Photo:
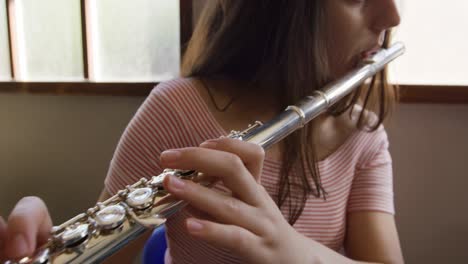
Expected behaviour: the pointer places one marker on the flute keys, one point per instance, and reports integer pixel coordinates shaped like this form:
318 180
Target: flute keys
74 236
157 181
42 257
140 198
110 217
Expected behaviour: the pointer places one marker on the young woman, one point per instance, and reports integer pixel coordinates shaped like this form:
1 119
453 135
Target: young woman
325 189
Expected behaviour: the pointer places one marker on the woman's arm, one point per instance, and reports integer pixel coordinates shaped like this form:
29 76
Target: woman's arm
373 236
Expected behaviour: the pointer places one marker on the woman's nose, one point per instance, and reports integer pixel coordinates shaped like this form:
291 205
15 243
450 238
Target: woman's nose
385 15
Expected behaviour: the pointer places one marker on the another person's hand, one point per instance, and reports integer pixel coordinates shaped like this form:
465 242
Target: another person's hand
28 228
248 223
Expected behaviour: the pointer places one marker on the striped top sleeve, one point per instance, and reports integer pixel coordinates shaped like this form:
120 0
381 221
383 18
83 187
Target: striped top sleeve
372 186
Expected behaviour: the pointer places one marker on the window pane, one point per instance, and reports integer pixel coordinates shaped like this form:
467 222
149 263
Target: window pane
436 38
133 41
48 40
5 70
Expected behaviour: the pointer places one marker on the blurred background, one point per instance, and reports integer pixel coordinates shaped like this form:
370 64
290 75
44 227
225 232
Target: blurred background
73 73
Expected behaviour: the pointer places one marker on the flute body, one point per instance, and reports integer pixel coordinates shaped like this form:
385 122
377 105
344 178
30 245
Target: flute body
93 236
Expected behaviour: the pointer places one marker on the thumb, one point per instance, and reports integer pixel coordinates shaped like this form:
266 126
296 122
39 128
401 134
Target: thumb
28 224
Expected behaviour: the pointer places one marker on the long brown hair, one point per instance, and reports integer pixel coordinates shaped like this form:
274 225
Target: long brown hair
267 41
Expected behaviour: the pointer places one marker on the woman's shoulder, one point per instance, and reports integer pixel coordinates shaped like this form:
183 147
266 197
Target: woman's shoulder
170 100
178 94
172 86
177 105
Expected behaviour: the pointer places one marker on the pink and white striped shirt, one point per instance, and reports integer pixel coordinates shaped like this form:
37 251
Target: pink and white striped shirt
357 176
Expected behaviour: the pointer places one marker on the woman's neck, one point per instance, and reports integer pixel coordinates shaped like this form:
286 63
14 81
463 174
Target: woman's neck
242 98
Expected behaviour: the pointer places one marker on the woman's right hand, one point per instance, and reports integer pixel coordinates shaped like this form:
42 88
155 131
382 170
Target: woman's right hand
28 228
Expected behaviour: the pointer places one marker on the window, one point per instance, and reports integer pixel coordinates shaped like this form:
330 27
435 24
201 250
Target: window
436 37
435 66
133 40
89 43
46 40
5 69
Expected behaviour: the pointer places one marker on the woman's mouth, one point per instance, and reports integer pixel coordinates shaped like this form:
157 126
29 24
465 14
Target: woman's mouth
368 53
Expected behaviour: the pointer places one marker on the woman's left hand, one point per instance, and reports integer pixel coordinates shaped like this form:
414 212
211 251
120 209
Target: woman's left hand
248 223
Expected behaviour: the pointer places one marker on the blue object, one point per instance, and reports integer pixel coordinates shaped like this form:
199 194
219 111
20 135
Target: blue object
155 247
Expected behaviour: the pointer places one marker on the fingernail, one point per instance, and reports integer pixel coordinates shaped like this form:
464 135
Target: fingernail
209 144
170 155
19 246
194 225
176 183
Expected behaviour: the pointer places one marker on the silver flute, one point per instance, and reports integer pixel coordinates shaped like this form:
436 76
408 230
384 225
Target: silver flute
104 229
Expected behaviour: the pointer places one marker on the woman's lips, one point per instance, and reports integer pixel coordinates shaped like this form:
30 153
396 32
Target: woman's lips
370 52
360 57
